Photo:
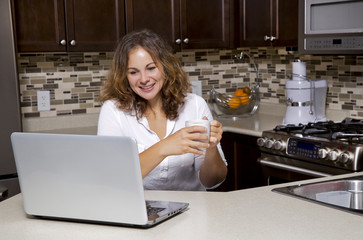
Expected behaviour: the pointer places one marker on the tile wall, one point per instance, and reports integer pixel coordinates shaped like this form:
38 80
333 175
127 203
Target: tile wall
74 79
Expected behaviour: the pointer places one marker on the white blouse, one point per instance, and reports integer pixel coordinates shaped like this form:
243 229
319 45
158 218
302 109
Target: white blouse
180 172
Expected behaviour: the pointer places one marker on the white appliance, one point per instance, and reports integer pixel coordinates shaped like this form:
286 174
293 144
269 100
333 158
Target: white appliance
331 27
305 98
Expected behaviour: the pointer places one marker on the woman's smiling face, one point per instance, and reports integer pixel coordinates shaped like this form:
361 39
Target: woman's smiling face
144 75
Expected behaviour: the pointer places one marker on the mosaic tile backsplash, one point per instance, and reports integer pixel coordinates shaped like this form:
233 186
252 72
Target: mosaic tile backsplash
74 79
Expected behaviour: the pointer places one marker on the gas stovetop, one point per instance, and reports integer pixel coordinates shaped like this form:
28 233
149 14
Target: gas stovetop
337 144
350 130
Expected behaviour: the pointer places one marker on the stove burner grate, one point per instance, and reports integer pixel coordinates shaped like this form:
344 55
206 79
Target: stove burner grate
350 130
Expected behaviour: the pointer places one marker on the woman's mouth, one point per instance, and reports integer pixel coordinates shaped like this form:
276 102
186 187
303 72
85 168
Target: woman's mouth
148 87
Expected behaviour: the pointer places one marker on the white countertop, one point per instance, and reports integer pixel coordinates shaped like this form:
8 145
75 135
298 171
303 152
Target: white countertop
268 116
253 125
250 214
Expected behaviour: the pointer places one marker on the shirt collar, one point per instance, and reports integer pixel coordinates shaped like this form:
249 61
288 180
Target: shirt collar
170 125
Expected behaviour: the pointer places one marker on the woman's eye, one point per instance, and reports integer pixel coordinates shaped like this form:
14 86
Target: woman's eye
151 68
132 72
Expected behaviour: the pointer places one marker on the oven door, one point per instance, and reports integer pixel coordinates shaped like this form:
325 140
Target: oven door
277 169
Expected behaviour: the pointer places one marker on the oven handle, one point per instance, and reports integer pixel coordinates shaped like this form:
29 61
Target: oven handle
293 168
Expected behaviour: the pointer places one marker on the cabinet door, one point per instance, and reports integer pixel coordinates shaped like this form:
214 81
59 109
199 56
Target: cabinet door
160 16
249 173
39 25
94 25
286 27
265 19
228 146
255 18
206 24
241 152
184 23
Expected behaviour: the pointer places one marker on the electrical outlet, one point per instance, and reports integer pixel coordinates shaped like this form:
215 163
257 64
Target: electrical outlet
43 98
197 87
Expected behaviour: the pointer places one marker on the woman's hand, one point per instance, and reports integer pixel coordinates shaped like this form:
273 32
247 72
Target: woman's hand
186 140
216 132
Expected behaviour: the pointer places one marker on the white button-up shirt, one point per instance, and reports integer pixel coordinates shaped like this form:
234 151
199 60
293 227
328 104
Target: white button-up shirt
180 172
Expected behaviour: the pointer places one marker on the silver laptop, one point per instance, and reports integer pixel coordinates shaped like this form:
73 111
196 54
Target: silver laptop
85 178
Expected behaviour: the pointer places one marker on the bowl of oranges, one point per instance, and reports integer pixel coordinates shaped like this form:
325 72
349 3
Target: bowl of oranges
240 102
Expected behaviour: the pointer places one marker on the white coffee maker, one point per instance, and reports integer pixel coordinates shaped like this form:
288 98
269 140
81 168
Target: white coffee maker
306 98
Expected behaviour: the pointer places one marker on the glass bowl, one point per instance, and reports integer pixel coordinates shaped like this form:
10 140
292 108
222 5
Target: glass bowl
228 105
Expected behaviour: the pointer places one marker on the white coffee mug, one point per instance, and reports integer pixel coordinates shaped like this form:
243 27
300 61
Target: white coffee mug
200 122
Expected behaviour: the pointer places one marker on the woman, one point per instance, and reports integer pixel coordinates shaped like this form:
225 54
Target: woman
145 97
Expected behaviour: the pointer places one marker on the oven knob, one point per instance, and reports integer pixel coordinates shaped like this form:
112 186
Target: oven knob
261 142
333 155
279 145
269 143
345 157
323 153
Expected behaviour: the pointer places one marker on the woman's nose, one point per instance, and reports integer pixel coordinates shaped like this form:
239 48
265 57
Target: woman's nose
144 77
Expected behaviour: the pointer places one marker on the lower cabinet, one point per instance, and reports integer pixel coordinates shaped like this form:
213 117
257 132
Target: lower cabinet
241 152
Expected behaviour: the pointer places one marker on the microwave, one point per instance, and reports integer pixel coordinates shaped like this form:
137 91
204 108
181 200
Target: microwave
330 27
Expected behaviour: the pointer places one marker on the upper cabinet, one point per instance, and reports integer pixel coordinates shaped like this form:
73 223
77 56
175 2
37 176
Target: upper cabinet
68 25
186 24
95 25
268 23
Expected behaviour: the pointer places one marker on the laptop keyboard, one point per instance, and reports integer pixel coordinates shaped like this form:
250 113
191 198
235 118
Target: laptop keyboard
153 210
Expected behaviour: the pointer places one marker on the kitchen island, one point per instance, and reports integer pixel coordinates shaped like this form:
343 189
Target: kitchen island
255 213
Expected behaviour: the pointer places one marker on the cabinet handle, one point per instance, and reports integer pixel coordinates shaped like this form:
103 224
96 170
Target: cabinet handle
73 42
63 42
186 41
266 38
178 41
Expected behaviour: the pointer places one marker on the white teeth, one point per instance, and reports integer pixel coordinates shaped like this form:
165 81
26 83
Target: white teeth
147 87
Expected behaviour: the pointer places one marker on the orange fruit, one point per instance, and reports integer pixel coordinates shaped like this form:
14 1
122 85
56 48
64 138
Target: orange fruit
239 92
244 100
240 97
243 94
247 90
234 102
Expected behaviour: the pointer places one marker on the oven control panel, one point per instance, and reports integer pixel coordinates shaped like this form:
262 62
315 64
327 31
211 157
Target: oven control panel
304 149
338 154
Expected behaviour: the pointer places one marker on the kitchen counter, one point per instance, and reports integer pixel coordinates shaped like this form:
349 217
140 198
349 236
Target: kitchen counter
268 116
253 126
250 214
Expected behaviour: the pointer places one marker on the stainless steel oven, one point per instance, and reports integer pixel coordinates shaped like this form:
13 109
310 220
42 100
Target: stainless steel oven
292 153
277 169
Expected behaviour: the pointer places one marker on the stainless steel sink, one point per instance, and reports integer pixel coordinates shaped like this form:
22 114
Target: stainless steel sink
344 194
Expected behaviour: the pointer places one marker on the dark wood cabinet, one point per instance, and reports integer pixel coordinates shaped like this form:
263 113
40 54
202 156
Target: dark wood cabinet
268 22
68 25
241 152
186 24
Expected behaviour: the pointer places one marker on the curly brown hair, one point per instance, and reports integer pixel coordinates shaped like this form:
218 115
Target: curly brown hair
117 87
